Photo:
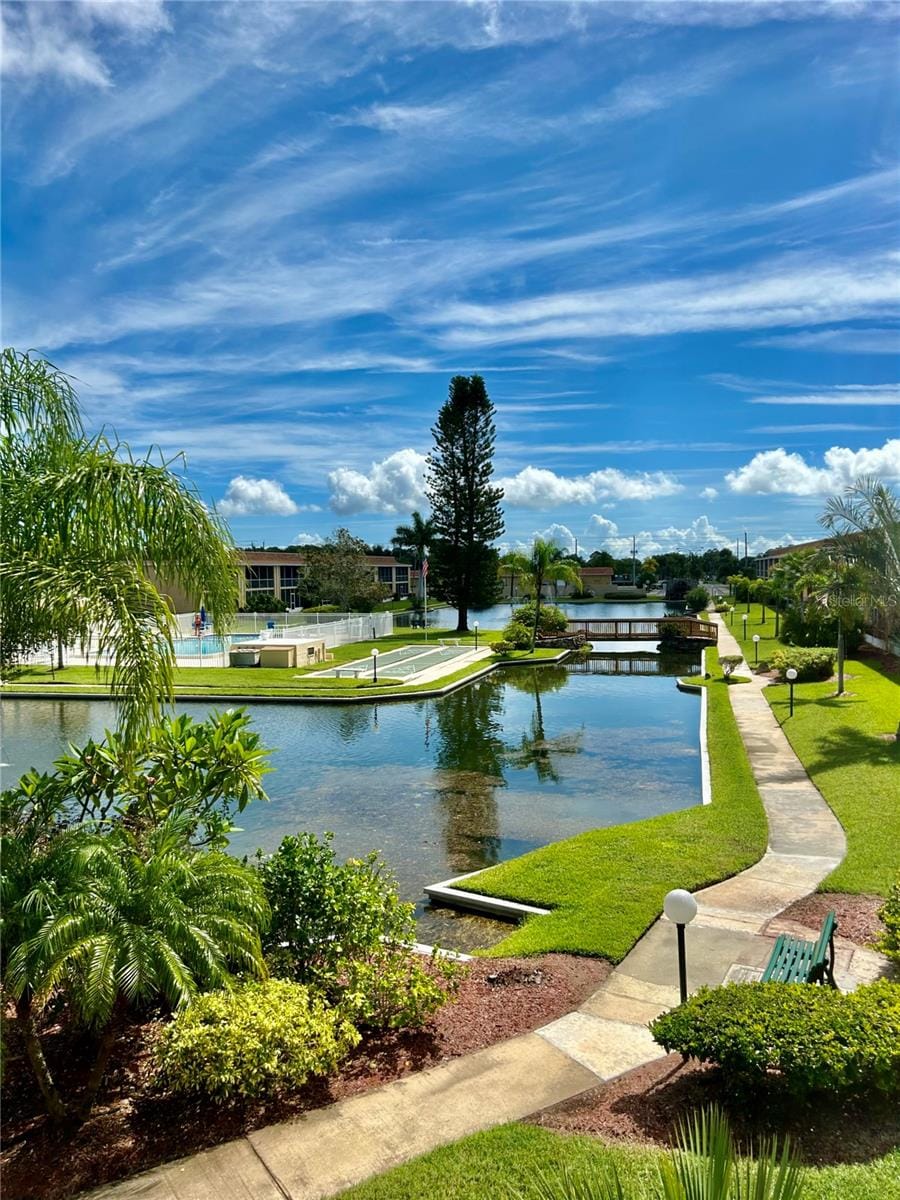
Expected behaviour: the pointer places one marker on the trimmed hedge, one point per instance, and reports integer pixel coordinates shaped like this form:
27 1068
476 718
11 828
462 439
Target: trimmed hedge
815 1038
812 663
889 942
252 1041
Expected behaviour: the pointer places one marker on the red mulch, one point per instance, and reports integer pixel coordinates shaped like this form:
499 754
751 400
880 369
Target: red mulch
857 916
646 1105
134 1126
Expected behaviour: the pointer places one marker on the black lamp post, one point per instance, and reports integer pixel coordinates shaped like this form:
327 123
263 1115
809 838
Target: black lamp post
681 908
791 674
756 649
374 665
475 625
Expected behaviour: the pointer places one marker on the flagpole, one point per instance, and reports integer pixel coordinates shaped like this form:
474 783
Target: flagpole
425 589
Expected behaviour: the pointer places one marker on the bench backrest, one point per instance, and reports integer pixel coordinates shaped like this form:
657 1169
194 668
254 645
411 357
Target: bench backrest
821 951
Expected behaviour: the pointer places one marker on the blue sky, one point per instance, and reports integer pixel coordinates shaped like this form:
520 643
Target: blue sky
665 233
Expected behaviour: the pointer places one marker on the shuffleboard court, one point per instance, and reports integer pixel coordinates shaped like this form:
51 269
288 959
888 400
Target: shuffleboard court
402 663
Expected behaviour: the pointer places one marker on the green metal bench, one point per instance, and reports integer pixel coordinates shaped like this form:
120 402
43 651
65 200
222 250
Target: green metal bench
795 960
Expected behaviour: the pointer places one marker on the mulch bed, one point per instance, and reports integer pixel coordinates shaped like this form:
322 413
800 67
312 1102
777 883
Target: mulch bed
646 1105
134 1126
857 916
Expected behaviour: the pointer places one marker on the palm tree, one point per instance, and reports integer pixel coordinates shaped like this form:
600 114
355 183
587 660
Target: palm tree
88 532
514 564
110 920
414 538
865 522
544 566
839 585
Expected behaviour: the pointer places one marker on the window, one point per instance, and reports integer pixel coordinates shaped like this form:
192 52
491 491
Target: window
402 573
260 579
402 589
289 577
385 575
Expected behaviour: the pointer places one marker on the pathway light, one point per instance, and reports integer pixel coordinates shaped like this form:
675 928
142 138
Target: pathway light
681 908
731 616
756 649
374 664
791 674
475 623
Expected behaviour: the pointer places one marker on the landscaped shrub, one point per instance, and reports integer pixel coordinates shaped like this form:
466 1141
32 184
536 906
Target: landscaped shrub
517 635
343 928
394 989
816 1038
502 647
551 620
326 913
729 663
582 594
253 1041
697 599
814 625
811 663
889 942
263 602
320 608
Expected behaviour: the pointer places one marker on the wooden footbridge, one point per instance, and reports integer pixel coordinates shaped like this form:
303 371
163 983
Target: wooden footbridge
643 629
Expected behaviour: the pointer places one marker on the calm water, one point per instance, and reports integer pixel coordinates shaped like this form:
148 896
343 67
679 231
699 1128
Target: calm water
525 757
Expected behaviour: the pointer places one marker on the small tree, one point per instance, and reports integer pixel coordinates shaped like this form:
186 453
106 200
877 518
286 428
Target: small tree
729 664
465 506
541 567
342 574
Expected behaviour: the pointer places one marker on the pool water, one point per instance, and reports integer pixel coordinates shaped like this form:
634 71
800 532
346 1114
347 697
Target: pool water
209 643
524 757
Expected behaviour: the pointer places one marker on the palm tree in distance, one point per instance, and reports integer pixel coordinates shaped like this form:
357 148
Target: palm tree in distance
542 566
414 538
89 532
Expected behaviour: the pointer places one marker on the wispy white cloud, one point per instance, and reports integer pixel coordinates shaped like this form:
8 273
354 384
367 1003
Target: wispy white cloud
837 341
780 472
709 493
536 487
842 395
247 497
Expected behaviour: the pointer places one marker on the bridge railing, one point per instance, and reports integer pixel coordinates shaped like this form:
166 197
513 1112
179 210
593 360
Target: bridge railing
633 629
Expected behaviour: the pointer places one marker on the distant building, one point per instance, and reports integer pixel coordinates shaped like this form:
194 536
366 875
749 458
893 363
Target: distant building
771 558
278 573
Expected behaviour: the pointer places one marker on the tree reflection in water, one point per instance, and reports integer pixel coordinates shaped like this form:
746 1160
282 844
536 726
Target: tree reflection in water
472 755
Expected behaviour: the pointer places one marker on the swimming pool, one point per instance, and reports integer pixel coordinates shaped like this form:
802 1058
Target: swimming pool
209 643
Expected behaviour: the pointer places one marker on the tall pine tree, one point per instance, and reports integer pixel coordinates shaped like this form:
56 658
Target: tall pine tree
465 507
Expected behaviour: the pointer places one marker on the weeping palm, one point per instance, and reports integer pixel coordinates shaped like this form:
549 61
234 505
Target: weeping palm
542 566
86 531
127 917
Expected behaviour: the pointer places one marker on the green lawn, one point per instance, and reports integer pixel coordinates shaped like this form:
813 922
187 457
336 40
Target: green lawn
506 1163
276 681
840 743
606 887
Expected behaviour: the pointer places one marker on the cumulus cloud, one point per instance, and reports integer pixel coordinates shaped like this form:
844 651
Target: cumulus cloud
778 471
246 497
394 485
709 493
536 487
308 539
601 527
696 537
557 535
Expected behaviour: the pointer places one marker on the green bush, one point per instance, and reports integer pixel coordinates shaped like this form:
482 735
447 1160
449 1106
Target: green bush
263 602
551 620
889 942
256 1040
342 928
816 1038
517 635
815 625
394 989
326 913
811 663
729 663
697 599
582 594
502 647
327 608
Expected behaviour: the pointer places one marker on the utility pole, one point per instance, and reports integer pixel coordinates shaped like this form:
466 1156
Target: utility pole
576 547
633 562
746 555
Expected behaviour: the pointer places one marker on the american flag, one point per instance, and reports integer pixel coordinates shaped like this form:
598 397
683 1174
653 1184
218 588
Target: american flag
425 569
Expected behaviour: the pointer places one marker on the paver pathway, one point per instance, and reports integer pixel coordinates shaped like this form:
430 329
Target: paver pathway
330 1149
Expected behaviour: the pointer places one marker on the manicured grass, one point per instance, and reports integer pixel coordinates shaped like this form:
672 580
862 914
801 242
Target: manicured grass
277 681
840 741
606 887
508 1162
755 624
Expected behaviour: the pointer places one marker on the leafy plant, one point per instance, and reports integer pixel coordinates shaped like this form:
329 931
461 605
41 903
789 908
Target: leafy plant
704 1165
811 662
517 635
551 619
545 564
263 602
252 1041
889 941
816 1039
729 663
697 599
394 988
502 647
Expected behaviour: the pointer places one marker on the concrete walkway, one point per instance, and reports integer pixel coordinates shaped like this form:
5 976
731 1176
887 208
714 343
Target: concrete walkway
731 938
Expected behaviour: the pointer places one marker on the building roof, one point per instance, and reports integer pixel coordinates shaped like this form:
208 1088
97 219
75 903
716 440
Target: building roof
595 571
287 558
780 551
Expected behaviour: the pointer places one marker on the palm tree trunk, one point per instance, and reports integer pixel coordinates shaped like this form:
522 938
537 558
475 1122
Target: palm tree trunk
539 585
98 1070
59 654
55 1107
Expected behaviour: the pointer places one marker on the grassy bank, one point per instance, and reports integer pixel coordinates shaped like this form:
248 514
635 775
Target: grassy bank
288 682
509 1161
842 742
606 887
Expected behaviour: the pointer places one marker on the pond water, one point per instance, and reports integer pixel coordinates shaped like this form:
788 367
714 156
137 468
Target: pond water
522 758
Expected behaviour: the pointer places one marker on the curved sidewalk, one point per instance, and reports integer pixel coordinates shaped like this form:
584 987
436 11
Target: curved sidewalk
333 1148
